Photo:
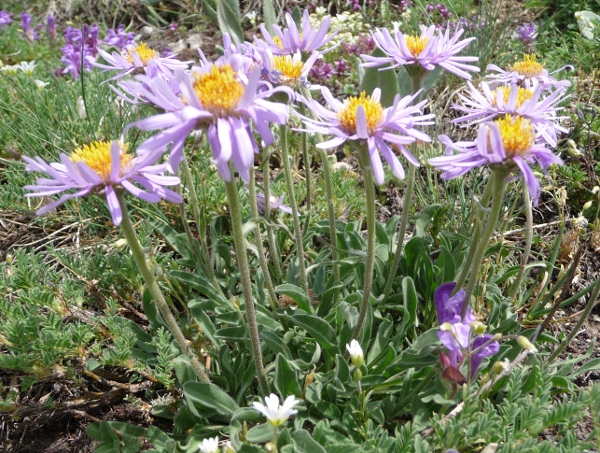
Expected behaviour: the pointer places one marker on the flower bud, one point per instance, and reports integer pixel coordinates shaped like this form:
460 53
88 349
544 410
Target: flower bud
9 258
526 344
478 328
228 447
446 327
572 149
587 206
270 447
595 190
81 108
356 353
357 376
119 244
500 366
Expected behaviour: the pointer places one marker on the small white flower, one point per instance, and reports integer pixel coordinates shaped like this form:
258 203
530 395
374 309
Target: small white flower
356 353
40 84
81 108
277 415
210 445
27 67
10 69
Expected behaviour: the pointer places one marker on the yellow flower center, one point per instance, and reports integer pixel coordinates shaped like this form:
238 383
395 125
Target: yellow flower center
143 51
416 44
528 67
523 95
219 90
97 156
290 70
517 134
373 111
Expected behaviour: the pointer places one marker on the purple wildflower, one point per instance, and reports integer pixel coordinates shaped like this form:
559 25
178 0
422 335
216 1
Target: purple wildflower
51 27
104 168
455 334
486 104
509 141
220 100
291 40
5 19
321 71
139 58
119 38
274 203
363 119
28 31
527 33
426 51
528 73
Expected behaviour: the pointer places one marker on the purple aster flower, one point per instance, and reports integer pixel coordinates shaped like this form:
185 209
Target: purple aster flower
51 27
139 58
528 73
287 70
219 99
291 40
432 48
487 104
363 119
104 168
119 38
507 141
5 19
455 334
274 203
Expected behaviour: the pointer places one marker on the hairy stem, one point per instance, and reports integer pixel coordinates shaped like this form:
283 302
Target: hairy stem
270 233
157 295
365 163
514 290
298 233
243 265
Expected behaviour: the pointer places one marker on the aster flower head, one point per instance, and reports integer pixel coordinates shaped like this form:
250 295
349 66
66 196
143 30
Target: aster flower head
287 69
104 168
487 104
291 40
139 58
423 52
509 142
274 203
210 445
277 415
529 73
362 119
220 100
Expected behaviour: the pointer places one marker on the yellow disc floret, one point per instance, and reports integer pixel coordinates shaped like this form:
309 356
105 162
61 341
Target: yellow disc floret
517 134
219 90
97 156
373 111
143 51
523 94
290 69
528 67
416 44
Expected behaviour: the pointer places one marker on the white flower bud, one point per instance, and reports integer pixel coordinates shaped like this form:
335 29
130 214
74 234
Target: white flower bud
356 353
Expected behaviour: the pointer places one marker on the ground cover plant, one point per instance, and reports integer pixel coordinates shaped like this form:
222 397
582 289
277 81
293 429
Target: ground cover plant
334 226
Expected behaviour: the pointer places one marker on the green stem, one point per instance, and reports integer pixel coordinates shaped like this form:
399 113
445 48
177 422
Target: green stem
497 180
306 159
298 234
326 165
259 243
157 295
365 163
514 290
270 233
475 237
242 260
189 182
408 196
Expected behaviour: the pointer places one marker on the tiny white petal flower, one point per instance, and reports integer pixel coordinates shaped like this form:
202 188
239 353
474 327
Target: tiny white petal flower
277 415
27 67
356 353
210 445
40 84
